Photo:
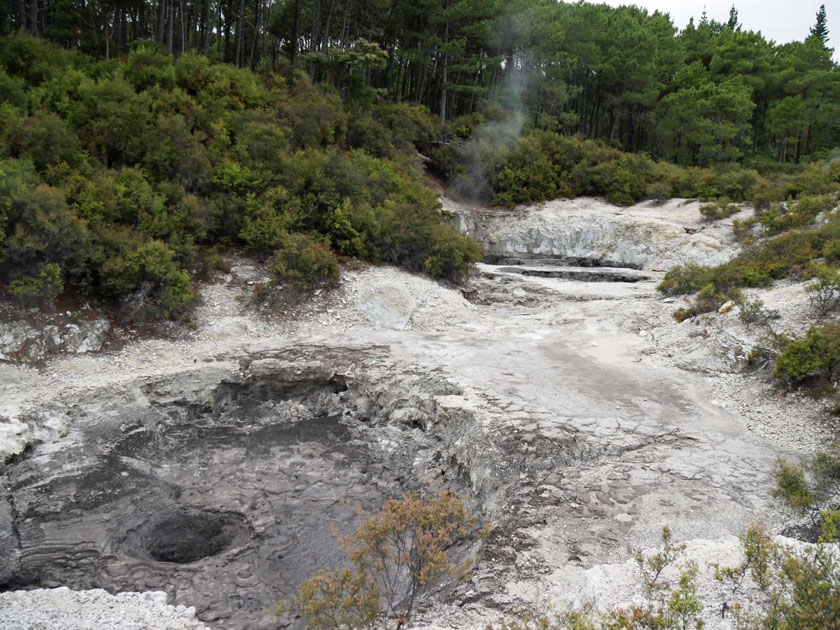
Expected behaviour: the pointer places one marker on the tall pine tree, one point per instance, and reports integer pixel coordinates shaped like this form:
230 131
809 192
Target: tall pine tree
820 29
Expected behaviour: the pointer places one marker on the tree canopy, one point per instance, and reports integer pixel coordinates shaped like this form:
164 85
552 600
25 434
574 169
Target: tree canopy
623 74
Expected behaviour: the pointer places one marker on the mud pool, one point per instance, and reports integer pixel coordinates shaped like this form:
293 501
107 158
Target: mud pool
226 499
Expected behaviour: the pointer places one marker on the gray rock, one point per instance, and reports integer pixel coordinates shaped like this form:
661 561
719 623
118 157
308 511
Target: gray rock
23 342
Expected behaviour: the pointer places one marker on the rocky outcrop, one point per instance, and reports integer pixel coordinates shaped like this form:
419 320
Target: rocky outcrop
649 235
23 340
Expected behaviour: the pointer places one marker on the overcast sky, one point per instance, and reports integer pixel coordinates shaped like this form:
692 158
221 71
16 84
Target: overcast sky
780 20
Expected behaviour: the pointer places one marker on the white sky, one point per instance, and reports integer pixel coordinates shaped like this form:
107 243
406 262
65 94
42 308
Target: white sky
780 20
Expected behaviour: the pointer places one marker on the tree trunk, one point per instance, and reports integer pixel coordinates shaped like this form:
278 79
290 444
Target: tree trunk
161 17
326 40
421 76
256 31
107 39
119 29
226 21
295 32
170 26
240 35
33 17
445 76
205 27
266 16
141 18
182 31
343 41
193 26
217 20
808 140
313 41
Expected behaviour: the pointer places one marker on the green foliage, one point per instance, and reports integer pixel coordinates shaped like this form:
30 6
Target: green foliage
451 254
719 210
303 261
754 312
44 231
798 586
813 488
792 488
120 174
817 354
684 279
791 253
396 556
147 277
149 66
268 219
824 292
45 285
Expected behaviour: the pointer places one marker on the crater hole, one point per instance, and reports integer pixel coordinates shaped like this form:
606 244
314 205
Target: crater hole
185 537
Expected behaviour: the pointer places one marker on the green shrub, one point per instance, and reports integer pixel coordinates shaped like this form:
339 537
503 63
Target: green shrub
817 354
719 210
754 312
146 278
45 230
303 261
113 121
45 285
791 486
12 91
659 190
268 219
176 153
34 59
155 155
451 254
149 65
366 133
48 141
192 71
824 292
684 279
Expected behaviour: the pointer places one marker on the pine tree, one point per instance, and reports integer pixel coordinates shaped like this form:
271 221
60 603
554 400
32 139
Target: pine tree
820 29
732 24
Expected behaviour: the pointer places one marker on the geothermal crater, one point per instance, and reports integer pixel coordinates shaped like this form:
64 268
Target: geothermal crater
224 490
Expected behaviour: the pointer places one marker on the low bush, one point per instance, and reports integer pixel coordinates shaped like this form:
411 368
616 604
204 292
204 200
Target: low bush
667 604
684 279
719 210
816 355
824 291
396 556
754 312
146 279
43 286
303 261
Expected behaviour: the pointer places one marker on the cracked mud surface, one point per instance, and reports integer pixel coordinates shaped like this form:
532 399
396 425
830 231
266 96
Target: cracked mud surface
579 416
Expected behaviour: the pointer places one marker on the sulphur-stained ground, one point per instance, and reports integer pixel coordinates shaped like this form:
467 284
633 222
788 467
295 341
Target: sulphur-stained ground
622 420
